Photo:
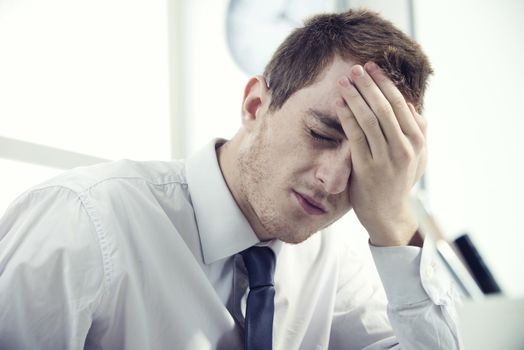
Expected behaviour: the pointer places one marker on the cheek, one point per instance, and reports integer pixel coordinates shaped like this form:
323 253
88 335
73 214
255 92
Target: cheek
287 152
290 152
294 165
345 204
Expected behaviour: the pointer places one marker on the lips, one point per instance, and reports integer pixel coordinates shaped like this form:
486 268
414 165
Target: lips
309 205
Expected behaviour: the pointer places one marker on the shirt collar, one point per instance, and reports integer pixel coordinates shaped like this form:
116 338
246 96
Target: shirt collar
223 228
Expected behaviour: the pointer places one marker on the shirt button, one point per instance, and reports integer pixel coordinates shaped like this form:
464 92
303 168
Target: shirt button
429 270
451 290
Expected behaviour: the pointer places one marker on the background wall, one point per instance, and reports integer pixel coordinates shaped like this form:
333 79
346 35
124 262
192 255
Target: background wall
85 78
474 109
154 79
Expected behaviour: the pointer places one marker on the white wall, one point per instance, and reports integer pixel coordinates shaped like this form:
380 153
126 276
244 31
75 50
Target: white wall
83 76
476 125
214 84
88 76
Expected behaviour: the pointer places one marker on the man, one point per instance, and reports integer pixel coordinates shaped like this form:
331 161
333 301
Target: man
170 255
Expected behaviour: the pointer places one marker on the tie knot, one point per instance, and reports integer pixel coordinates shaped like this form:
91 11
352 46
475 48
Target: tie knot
260 265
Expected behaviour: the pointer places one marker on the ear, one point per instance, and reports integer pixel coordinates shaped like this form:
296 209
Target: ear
256 97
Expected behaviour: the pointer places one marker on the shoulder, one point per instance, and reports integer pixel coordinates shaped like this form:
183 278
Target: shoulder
82 179
106 180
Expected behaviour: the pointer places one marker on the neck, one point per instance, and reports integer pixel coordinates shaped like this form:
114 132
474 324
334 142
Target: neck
228 158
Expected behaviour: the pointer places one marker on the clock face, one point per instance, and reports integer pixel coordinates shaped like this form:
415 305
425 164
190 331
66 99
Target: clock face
255 28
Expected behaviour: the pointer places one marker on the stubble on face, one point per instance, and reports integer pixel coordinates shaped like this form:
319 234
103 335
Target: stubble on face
267 196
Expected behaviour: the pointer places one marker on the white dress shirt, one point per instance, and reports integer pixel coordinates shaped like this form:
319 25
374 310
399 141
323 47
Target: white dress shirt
143 255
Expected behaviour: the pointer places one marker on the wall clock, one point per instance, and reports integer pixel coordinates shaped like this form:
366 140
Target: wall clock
255 28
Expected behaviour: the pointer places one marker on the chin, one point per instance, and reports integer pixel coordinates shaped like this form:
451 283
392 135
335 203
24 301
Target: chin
296 238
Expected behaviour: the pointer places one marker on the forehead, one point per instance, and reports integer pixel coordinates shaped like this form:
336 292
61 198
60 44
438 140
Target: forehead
336 69
323 92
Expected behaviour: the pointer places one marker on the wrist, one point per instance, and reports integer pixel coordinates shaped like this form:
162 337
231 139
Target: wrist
393 233
393 242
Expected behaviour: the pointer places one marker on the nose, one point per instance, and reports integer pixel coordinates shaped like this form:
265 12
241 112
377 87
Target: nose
333 172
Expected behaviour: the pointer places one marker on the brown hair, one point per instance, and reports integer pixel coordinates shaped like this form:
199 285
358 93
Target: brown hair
360 35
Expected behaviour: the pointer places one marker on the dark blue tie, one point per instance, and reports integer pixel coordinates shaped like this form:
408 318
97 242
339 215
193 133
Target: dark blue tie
260 264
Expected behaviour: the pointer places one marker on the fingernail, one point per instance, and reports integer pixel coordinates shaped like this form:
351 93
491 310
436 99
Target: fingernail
344 81
371 67
357 70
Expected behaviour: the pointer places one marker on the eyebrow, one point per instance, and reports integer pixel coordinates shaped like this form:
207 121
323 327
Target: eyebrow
328 120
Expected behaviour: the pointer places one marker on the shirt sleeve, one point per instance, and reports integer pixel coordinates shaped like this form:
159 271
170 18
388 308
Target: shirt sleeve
51 271
405 301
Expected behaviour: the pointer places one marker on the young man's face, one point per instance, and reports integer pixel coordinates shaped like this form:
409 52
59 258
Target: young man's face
295 163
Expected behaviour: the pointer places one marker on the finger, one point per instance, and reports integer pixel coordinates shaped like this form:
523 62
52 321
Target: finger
365 118
396 100
378 104
418 141
421 121
356 137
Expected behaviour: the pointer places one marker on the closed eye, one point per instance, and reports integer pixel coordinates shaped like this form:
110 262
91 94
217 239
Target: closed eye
321 138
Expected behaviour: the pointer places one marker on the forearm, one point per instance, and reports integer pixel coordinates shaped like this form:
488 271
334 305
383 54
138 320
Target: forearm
421 301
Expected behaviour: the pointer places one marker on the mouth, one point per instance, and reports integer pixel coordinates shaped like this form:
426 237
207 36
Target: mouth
309 205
